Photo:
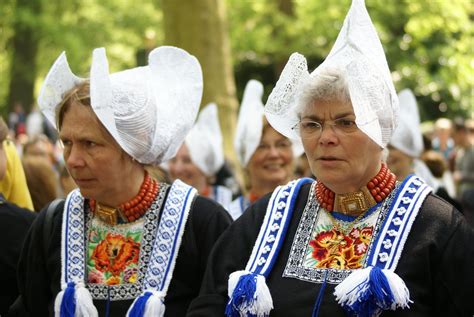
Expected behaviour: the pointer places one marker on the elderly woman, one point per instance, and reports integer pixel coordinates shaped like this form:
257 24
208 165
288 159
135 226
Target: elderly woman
356 242
201 156
265 155
122 243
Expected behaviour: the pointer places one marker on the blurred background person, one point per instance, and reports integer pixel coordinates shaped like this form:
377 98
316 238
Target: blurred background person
14 224
406 146
442 141
13 186
266 156
42 181
464 156
201 156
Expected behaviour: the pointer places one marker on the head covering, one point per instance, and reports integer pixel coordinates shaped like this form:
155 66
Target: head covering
204 141
407 136
13 185
359 56
250 122
148 110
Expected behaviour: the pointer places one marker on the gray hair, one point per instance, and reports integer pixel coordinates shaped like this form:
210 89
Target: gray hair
328 84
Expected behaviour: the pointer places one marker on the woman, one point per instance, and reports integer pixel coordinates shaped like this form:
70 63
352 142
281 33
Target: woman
376 244
265 155
201 156
122 243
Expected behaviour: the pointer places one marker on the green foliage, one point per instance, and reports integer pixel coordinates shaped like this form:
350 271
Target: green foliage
77 27
429 43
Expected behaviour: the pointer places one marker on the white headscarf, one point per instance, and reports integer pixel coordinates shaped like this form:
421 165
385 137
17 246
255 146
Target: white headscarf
407 136
408 139
147 110
204 141
359 55
250 122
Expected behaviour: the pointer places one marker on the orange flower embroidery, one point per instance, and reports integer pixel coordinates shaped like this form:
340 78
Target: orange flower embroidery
115 253
335 250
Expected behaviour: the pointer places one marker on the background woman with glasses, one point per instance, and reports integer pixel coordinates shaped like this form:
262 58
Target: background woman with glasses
265 154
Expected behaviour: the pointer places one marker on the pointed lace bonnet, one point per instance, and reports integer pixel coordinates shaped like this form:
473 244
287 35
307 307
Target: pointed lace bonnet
407 136
204 141
250 122
147 110
359 55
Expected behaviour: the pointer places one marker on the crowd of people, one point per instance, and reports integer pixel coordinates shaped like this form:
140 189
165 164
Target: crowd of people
117 199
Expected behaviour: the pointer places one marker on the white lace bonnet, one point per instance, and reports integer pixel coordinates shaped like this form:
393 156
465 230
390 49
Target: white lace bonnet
204 141
250 122
407 136
358 53
148 110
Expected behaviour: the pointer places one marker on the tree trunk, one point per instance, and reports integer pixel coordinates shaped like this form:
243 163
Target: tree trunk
24 50
200 27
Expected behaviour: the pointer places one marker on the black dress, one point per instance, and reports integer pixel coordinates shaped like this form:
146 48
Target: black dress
14 225
436 265
40 270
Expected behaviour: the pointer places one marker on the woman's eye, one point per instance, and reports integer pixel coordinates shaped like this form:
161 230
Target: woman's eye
345 123
310 125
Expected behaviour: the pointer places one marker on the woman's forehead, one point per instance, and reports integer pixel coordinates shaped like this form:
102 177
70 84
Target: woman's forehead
328 108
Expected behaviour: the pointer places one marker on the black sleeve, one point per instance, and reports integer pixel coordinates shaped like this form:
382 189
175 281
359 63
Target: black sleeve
207 221
454 278
230 254
14 225
39 269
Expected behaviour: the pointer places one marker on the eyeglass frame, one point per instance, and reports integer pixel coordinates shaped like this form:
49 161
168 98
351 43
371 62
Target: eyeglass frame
336 126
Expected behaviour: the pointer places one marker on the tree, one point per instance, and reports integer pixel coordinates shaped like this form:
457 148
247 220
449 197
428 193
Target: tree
199 26
24 50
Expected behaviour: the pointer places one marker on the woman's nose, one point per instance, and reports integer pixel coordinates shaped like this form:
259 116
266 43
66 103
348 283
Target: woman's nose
75 157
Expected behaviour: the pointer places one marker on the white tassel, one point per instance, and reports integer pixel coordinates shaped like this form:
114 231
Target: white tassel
400 291
345 293
260 304
154 305
263 298
84 305
57 302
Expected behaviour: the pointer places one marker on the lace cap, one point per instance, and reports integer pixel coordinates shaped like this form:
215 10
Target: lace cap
359 54
148 110
250 122
204 141
407 136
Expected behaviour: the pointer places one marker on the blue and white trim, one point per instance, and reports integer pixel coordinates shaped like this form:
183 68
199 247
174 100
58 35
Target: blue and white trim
248 292
397 225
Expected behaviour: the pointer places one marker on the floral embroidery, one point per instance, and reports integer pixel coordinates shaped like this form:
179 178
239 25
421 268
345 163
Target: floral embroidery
113 257
333 249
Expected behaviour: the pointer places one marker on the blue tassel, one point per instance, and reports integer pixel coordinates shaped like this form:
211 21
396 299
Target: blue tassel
243 295
68 303
375 295
138 309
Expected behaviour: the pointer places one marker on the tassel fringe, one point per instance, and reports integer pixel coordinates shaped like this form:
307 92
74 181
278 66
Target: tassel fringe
74 300
249 295
369 291
150 303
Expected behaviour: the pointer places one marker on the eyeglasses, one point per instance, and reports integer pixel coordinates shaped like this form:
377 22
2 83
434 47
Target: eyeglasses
310 129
